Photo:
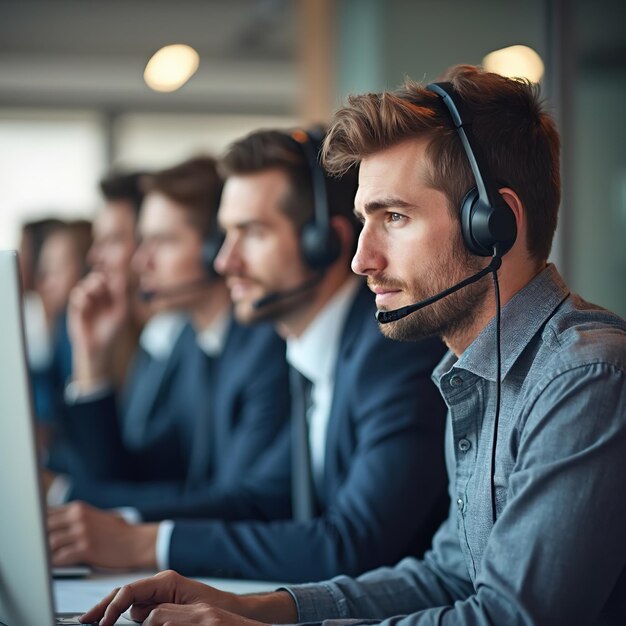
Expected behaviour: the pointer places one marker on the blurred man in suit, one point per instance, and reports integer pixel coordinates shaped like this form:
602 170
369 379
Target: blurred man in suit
204 400
114 244
367 424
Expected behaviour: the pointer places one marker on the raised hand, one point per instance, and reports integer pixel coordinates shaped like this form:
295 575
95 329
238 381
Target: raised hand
98 309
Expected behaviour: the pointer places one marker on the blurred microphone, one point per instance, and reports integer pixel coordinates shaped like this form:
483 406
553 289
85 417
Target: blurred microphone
174 290
277 296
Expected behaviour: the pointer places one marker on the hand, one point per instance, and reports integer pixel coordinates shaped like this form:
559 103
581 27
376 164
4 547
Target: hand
47 478
98 309
169 598
191 614
169 591
81 534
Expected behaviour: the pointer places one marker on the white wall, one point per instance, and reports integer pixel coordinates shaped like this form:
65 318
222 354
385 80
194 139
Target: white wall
49 164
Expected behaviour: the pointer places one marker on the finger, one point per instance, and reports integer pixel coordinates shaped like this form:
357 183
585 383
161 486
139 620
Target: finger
58 521
77 298
69 555
168 614
96 299
93 281
96 612
139 612
54 512
148 591
58 539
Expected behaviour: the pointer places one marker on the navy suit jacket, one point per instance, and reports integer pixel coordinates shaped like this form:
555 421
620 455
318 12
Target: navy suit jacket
384 490
187 430
48 387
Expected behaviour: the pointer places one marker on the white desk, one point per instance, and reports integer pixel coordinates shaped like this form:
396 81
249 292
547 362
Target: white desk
76 596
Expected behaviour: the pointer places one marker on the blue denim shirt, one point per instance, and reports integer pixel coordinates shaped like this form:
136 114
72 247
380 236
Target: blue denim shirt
557 552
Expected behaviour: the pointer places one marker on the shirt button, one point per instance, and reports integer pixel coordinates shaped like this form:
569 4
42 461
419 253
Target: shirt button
464 444
459 503
456 381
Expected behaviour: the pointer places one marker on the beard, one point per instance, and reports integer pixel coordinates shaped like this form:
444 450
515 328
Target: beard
248 312
447 317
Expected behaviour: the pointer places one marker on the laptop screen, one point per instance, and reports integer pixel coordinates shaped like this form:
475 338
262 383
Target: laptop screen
25 586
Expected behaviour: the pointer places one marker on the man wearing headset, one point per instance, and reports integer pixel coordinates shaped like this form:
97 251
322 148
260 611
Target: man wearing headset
535 530
367 430
205 401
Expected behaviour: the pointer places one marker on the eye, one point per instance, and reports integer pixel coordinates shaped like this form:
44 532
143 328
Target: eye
395 218
255 230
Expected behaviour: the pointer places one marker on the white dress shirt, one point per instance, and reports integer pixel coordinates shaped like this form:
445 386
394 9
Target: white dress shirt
211 341
158 339
314 355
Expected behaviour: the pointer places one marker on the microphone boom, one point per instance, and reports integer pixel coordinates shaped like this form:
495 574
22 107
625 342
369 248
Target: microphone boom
385 317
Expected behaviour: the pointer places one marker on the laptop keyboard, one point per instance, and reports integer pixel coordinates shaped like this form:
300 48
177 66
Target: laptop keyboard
59 621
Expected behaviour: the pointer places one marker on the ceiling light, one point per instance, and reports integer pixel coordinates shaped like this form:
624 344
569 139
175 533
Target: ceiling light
171 67
515 62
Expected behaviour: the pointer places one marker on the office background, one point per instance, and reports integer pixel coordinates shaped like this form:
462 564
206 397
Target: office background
73 101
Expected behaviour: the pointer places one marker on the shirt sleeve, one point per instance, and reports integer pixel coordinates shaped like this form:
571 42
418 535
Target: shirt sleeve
164 536
59 490
555 554
96 390
129 514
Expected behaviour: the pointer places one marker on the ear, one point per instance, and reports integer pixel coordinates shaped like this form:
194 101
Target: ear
345 232
516 205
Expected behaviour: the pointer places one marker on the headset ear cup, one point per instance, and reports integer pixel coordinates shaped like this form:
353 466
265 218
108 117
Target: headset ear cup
320 247
484 227
502 227
210 249
468 207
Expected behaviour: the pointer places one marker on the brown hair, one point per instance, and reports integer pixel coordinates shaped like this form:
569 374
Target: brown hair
517 136
277 149
124 186
195 185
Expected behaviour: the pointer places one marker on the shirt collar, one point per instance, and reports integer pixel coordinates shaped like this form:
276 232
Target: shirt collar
161 333
314 353
521 318
213 338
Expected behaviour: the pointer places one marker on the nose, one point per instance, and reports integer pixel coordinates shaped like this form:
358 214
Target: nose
93 254
139 260
369 258
228 259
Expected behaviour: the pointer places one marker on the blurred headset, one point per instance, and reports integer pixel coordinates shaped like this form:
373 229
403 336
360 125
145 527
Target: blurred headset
319 243
211 247
208 253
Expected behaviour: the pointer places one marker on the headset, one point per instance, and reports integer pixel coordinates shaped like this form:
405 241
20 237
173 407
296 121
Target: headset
488 227
211 247
487 221
319 243
208 253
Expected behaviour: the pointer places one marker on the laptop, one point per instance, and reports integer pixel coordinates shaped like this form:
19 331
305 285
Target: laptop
25 583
